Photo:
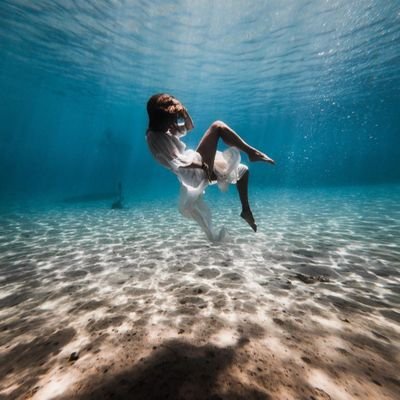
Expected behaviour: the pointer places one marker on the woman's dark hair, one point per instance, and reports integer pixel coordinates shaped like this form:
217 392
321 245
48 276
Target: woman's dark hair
163 110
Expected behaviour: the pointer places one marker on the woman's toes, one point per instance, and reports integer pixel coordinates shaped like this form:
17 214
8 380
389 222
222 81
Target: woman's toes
258 156
247 215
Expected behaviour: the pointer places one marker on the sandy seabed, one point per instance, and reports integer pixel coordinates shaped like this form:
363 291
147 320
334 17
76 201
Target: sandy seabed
137 304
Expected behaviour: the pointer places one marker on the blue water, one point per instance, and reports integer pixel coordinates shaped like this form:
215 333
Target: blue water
314 293
314 84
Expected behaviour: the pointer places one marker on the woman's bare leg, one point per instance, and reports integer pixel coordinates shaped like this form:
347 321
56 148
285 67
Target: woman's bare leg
208 147
246 213
209 142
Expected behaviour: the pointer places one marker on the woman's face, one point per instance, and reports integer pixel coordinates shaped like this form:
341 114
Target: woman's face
182 124
178 128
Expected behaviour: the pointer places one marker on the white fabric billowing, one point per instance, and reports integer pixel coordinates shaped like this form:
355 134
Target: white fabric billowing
172 153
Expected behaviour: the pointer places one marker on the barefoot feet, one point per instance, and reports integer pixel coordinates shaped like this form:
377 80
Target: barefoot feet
247 215
256 155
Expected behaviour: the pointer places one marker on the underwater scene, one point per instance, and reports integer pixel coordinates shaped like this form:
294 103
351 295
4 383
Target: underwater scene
236 236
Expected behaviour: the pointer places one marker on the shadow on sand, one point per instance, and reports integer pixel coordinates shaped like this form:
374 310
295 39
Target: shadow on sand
175 370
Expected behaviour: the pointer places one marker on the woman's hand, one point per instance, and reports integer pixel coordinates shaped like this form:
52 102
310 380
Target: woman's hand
206 169
204 166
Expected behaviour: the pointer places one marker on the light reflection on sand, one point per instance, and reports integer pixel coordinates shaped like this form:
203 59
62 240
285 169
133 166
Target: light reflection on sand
141 294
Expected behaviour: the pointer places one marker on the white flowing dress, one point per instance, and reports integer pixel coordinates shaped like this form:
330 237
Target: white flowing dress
171 152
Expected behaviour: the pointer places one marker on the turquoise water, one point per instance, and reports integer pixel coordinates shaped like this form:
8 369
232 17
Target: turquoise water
140 291
313 84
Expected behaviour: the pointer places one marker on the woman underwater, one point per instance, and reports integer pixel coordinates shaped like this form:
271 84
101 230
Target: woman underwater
168 122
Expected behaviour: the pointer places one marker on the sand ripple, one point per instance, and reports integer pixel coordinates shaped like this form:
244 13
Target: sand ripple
308 305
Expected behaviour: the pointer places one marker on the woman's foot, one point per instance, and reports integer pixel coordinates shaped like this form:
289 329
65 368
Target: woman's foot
256 155
247 215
